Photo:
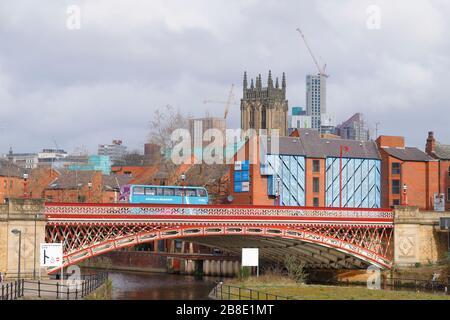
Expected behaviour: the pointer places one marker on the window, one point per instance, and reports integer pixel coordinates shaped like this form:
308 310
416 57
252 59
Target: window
150 191
201 192
396 168
178 192
316 165
316 202
159 191
396 202
395 186
169 192
138 190
449 172
5 183
315 185
448 194
190 193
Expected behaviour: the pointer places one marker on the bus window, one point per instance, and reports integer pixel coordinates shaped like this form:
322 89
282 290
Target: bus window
191 193
201 192
150 191
178 192
159 191
138 190
169 192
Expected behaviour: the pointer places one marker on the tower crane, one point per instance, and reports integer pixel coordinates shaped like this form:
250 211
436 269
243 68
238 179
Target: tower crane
230 101
320 69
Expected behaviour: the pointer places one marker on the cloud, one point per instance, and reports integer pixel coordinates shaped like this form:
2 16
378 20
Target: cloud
129 58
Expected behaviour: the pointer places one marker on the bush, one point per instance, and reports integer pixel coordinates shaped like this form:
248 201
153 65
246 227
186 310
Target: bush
296 269
245 272
417 264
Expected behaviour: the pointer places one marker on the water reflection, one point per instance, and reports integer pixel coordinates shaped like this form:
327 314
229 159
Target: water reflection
160 286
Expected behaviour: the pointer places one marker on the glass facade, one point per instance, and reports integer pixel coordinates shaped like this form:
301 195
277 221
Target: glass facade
361 183
291 173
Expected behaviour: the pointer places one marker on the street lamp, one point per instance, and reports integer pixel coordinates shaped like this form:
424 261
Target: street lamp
89 191
405 197
18 232
183 178
25 178
278 192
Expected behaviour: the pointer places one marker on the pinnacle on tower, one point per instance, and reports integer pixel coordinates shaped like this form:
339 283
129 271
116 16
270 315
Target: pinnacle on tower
252 86
283 81
245 81
277 84
270 81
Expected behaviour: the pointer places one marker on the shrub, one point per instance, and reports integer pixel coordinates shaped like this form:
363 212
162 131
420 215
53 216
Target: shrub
295 268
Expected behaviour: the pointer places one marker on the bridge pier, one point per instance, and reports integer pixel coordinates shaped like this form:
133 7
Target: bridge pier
417 237
27 216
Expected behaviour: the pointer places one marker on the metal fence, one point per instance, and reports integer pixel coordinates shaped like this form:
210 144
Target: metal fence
12 290
226 292
67 289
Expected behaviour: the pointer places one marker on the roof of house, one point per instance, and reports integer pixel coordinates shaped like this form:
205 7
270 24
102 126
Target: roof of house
310 144
408 154
442 151
72 179
9 169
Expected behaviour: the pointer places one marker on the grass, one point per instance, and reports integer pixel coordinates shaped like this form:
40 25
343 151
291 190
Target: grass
288 288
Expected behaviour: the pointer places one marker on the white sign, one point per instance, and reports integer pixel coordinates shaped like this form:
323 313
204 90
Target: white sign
250 257
238 165
439 202
51 255
245 186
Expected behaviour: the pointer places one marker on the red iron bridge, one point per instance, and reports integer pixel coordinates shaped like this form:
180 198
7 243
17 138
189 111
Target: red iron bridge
321 237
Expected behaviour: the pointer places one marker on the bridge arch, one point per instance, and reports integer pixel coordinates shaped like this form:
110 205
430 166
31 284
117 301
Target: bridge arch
319 245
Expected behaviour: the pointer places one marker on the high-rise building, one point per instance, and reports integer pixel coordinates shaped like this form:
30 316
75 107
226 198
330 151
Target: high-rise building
264 108
198 127
316 104
354 128
116 151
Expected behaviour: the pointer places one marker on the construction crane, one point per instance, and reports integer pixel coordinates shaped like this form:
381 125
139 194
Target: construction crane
227 103
320 69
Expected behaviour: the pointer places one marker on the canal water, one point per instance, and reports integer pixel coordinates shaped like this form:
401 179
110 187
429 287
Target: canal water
160 286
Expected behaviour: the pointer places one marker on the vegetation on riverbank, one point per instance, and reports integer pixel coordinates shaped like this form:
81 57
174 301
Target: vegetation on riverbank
283 286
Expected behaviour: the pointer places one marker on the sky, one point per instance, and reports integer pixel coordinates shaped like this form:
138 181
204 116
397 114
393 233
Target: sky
75 74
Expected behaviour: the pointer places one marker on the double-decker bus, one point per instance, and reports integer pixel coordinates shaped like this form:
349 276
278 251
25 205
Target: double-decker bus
163 194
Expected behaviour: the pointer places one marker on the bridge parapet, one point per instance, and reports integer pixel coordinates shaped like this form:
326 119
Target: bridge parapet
52 209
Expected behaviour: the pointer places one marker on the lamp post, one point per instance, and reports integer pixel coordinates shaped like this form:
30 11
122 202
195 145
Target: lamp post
89 191
25 178
278 192
183 178
341 150
405 196
18 232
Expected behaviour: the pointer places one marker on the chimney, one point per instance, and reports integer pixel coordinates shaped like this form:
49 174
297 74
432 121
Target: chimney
431 144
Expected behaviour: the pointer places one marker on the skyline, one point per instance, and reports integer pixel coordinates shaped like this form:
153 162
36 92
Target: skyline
102 82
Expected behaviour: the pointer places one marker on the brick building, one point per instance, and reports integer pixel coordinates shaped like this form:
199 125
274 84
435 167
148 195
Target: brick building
441 152
11 180
85 186
305 171
410 167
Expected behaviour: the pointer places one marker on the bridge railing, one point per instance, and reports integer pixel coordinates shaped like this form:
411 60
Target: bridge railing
226 292
52 208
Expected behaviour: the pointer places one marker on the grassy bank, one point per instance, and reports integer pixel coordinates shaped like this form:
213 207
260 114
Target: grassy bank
285 287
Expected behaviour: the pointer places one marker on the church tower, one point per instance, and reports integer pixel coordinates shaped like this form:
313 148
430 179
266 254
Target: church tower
264 108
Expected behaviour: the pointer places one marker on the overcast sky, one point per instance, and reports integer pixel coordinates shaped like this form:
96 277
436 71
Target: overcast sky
83 87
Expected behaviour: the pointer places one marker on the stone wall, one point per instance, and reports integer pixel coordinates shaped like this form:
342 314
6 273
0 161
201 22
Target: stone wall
417 237
25 215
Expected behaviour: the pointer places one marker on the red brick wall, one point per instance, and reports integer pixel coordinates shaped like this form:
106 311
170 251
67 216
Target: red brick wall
310 175
421 179
11 191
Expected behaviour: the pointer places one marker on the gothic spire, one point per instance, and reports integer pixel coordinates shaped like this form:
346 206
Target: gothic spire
283 82
270 81
245 80
277 84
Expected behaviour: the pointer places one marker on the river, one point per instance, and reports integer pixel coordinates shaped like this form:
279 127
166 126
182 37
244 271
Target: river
159 286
